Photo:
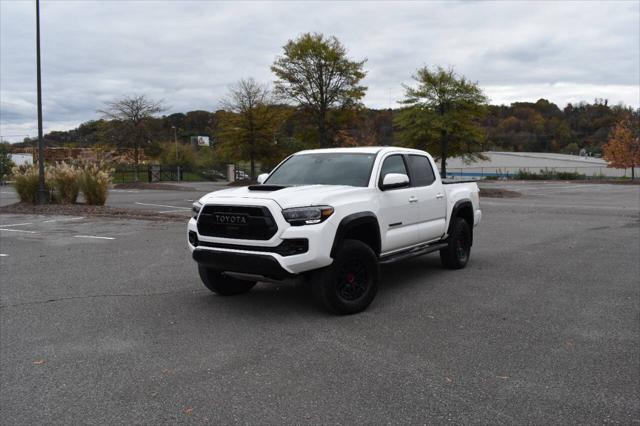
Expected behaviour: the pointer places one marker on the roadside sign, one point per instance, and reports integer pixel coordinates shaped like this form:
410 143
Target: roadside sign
200 140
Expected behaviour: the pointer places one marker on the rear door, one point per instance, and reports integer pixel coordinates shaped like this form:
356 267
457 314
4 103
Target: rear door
399 219
431 199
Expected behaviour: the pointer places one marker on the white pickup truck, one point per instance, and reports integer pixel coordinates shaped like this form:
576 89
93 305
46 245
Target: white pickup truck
333 215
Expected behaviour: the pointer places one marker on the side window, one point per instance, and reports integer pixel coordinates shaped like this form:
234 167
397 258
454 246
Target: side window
421 171
392 164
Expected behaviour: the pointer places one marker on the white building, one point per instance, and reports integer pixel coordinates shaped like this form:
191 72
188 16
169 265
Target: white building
509 163
21 159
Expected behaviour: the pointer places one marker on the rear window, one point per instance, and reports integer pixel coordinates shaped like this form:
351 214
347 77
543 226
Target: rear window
421 171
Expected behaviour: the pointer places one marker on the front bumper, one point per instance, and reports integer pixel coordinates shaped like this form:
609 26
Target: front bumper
318 254
246 263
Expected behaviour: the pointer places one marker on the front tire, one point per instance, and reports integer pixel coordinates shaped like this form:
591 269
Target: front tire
456 254
222 284
350 283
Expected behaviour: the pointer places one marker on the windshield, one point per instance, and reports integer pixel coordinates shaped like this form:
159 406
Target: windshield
324 169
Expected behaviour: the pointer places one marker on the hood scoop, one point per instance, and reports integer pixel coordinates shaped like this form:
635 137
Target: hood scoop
266 187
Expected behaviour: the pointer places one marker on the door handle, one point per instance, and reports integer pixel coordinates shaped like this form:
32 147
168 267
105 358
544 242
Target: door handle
439 196
413 199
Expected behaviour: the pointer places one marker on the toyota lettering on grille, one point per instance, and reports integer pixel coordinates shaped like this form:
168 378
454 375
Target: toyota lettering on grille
230 219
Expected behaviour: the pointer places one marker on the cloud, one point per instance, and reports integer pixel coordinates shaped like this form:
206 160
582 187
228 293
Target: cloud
188 53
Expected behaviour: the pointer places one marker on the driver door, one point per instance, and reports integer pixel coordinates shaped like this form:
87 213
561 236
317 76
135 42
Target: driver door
399 218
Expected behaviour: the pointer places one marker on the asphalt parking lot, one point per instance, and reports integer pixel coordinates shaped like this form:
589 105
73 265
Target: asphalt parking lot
106 321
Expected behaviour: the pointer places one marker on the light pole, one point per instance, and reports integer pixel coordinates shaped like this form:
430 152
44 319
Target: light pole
175 138
42 190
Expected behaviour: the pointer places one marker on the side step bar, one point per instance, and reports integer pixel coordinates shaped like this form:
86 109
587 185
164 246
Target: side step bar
416 251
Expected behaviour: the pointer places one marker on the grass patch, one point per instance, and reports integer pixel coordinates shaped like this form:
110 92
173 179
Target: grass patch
89 210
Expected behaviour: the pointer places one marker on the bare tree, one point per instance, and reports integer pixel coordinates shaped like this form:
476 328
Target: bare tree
248 129
133 112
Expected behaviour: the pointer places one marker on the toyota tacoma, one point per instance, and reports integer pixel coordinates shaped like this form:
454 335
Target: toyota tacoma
333 216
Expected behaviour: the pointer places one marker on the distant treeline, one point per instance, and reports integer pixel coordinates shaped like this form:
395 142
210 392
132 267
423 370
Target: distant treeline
523 126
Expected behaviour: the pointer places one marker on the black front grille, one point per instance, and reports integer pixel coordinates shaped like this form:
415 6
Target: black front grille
288 247
239 222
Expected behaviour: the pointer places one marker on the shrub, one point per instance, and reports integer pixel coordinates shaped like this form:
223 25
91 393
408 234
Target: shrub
26 183
548 174
94 183
65 179
570 176
64 182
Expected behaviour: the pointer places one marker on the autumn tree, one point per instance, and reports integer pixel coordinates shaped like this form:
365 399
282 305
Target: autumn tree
248 128
5 161
623 148
442 115
315 73
132 114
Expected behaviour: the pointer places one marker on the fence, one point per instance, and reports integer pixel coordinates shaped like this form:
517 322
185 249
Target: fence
152 173
164 173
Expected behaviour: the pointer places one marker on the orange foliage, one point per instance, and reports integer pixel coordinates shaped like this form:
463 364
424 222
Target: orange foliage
623 148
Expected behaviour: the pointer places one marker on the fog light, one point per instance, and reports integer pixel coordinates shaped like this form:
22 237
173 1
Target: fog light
193 238
293 246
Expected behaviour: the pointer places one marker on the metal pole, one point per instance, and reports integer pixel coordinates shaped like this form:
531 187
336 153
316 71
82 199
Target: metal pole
175 138
42 190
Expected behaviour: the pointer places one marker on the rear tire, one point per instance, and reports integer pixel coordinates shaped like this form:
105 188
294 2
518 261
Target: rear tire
458 251
350 283
222 284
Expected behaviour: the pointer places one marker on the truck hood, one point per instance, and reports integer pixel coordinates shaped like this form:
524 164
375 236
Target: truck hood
294 196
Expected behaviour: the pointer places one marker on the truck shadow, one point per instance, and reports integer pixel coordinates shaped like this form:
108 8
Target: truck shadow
295 296
420 272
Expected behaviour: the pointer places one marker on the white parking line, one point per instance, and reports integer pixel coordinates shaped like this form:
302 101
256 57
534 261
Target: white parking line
4 255
164 205
174 211
16 224
18 230
63 220
93 236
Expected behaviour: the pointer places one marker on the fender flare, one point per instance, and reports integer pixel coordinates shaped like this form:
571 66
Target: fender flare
351 221
459 205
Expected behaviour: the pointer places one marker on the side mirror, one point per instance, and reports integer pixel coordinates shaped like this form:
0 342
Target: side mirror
262 178
394 180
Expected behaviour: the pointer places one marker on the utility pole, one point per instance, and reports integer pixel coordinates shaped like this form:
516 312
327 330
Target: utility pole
175 138
42 190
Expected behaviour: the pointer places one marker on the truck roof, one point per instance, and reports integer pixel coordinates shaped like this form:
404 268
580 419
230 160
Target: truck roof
359 149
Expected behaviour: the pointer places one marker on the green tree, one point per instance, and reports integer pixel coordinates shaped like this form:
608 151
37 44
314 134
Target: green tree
185 155
442 115
316 73
571 148
5 161
249 127
133 114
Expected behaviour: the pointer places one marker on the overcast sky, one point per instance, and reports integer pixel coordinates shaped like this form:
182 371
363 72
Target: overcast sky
188 53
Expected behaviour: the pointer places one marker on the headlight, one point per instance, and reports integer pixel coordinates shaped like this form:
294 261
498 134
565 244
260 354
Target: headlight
195 209
307 215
